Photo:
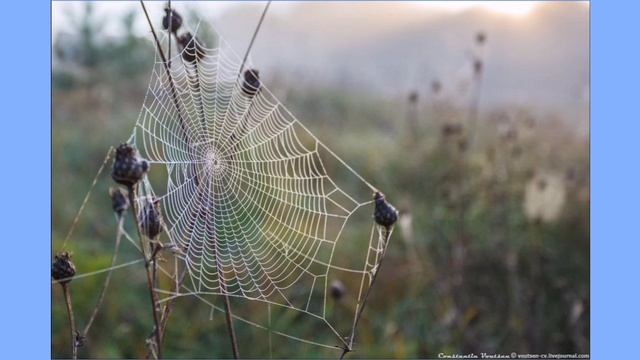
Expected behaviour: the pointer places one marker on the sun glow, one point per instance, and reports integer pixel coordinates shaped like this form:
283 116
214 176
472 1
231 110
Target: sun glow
514 8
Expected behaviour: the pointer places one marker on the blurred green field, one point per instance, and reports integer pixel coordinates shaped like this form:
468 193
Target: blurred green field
491 252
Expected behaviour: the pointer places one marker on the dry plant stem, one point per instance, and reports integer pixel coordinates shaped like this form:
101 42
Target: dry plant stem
473 110
253 38
154 282
227 308
172 87
166 311
150 281
346 349
169 31
87 196
182 125
72 322
108 279
230 329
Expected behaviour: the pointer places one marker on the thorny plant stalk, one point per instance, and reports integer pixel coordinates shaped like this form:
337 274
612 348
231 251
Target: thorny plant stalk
478 72
157 330
166 310
349 348
253 38
108 279
229 321
72 322
150 281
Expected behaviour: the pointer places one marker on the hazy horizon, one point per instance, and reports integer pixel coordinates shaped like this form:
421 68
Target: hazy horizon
537 53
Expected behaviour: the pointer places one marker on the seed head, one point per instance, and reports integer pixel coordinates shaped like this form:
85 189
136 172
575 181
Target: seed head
191 48
542 184
151 219
62 269
128 169
481 38
436 86
451 129
175 21
251 84
119 201
337 289
385 214
477 66
413 97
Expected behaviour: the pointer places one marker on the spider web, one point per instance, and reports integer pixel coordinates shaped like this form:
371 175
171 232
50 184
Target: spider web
254 205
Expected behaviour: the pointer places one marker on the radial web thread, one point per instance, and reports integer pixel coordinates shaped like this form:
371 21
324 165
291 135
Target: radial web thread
254 199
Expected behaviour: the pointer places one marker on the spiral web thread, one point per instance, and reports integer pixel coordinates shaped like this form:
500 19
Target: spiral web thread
248 199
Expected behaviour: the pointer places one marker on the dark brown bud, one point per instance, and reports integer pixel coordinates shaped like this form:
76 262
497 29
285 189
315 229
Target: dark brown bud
172 18
542 184
192 48
119 201
477 66
337 289
62 269
413 97
384 214
451 129
251 84
151 219
481 38
436 86
128 169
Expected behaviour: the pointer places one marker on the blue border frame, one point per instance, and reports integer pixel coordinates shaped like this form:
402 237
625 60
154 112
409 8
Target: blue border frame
25 178
615 177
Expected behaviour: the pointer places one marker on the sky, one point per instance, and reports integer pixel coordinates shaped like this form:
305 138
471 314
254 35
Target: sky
510 8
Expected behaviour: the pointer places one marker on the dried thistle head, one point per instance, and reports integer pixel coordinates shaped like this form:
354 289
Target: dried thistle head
337 289
119 201
251 84
62 269
192 49
151 219
128 169
384 214
436 86
171 17
477 66
413 97
451 129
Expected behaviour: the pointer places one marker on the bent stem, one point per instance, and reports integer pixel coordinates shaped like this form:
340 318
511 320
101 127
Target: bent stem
72 322
108 279
349 348
166 311
230 329
150 280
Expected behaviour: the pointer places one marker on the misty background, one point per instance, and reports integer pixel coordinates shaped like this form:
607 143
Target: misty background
389 49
